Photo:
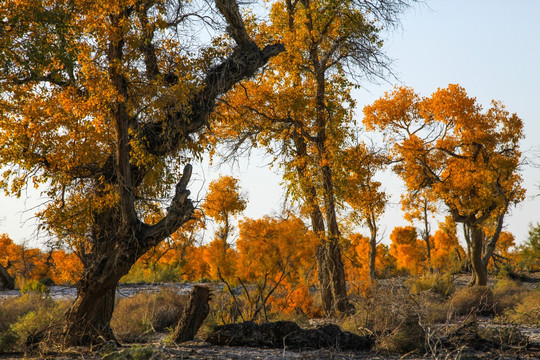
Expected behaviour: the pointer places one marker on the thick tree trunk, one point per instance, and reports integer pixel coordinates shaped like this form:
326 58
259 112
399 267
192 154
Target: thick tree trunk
323 275
88 320
479 268
6 281
339 286
194 314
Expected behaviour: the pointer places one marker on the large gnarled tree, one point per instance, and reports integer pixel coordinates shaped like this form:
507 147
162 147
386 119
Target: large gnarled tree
101 105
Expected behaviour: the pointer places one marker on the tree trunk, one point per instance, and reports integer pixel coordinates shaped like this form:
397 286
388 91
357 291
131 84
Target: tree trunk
6 281
339 286
317 224
323 275
194 314
372 225
372 257
426 234
480 270
88 320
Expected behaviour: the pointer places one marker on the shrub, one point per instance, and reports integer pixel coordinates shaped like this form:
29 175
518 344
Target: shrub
437 283
35 286
473 300
146 313
393 315
24 316
506 295
158 273
527 310
408 336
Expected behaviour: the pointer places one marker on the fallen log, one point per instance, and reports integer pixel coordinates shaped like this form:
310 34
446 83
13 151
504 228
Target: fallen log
287 334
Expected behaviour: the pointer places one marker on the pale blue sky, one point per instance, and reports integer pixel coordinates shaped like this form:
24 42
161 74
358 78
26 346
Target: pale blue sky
490 47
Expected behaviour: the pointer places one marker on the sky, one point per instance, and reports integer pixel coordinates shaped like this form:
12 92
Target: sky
490 47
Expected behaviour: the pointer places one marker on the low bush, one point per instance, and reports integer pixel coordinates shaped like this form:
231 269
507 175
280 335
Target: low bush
477 300
393 315
26 315
409 336
506 295
441 284
526 311
143 314
159 273
34 286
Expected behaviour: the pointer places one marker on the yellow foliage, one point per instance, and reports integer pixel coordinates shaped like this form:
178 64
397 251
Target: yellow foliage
410 253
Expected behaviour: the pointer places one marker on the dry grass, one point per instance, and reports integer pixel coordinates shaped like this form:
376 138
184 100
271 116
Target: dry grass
25 316
506 295
138 317
441 284
526 311
476 300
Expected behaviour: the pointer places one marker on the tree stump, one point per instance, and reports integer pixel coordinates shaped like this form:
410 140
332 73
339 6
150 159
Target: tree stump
194 314
6 281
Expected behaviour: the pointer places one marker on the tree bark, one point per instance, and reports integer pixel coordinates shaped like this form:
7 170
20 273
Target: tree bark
6 280
372 257
88 320
317 224
194 314
480 270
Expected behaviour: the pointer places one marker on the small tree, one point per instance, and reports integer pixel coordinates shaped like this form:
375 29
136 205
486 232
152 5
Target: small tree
362 192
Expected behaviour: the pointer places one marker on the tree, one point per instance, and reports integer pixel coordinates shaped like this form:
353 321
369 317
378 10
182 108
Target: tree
301 110
407 249
466 157
362 192
421 205
276 255
530 250
447 254
223 202
102 103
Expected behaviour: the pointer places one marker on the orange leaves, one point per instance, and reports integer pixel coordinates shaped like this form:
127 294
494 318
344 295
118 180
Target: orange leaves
27 264
224 199
446 143
273 251
271 246
395 112
407 249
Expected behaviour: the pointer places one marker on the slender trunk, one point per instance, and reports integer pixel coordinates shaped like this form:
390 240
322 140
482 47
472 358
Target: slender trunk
317 223
372 247
480 270
467 235
490 246
427 234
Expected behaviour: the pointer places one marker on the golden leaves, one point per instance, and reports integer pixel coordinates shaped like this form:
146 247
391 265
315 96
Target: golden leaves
467 157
